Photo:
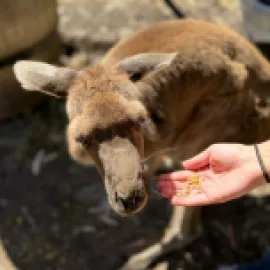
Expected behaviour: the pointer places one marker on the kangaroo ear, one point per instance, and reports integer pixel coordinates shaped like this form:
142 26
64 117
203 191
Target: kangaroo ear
43 77
140 64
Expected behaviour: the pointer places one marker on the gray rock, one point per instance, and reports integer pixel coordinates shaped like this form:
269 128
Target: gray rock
223 12
100 23
97 24
93 26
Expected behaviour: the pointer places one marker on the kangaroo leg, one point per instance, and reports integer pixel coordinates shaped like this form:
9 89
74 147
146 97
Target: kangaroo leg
181 229
260 191
179 233
5 262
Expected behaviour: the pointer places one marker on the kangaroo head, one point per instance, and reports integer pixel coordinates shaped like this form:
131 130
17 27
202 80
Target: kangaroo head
105 120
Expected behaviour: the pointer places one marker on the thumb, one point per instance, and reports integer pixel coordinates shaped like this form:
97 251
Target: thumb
199 161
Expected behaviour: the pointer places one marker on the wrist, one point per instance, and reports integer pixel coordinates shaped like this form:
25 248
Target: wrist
263 156
254 168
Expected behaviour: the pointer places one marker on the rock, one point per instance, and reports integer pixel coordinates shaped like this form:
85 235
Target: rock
223 12
15 101
28 31
95 25
19 30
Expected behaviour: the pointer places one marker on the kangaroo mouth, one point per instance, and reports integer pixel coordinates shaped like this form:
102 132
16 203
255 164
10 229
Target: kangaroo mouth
139 142
123 173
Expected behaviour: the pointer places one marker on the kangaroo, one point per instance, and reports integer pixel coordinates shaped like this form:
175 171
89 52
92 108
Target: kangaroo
174 87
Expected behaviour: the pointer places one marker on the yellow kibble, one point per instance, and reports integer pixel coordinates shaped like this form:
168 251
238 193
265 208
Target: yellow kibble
180 194
188 189
193 183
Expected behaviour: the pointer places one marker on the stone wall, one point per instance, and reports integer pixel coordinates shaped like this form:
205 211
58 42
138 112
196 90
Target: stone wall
94 25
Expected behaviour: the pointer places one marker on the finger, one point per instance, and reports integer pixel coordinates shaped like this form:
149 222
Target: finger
174 185
175 176
164 184
169 188
199 161
167 192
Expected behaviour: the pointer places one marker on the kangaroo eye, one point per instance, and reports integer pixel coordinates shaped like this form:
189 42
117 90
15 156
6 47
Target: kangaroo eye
157 117
136 76
84 140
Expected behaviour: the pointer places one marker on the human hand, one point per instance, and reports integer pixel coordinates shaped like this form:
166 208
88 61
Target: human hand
226 171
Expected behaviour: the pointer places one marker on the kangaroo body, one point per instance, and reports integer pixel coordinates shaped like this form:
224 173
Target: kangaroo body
176 87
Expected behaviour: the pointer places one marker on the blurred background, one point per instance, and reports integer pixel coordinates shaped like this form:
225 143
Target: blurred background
53 212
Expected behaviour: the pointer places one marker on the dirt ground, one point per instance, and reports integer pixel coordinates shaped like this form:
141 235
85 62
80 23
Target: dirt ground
54 213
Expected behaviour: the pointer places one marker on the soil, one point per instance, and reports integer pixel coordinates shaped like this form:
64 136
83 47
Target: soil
54 213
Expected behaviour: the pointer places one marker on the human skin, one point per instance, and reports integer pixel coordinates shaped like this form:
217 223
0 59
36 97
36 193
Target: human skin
226 171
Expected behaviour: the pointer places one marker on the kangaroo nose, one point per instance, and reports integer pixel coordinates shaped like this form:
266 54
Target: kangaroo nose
133 201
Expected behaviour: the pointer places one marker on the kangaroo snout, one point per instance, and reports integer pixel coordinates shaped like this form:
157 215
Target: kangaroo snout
130 203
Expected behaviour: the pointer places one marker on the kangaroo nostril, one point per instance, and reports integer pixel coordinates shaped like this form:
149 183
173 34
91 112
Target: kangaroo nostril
133 201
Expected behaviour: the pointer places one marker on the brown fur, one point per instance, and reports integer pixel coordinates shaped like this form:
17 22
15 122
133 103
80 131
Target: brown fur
185 84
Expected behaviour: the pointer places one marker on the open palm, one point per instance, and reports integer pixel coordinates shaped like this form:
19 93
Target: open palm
226 171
